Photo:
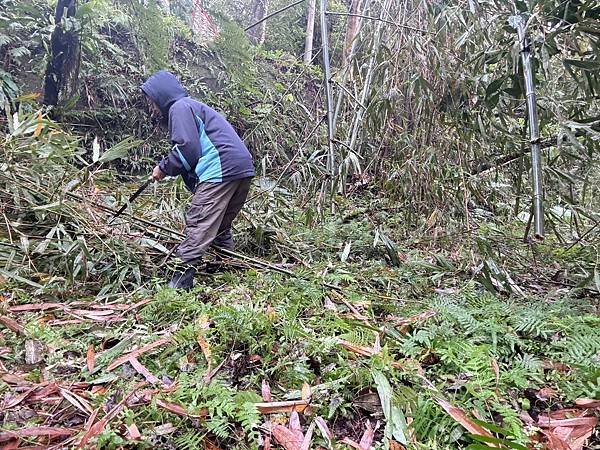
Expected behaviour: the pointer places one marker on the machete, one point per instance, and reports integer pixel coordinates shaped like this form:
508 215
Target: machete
135 195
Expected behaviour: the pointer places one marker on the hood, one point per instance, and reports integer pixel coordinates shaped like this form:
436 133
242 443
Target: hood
164 89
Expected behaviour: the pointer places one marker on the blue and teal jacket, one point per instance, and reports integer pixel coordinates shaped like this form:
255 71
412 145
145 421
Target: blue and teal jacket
206 148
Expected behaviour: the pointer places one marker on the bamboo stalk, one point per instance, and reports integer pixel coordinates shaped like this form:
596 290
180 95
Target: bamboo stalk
536 160
358 117
329 98
348 63
310 31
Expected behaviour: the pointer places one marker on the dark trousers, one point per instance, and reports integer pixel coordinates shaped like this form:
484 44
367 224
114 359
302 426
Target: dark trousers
209 217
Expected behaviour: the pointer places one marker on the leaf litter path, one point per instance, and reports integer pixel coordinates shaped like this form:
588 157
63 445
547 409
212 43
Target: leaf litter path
71 403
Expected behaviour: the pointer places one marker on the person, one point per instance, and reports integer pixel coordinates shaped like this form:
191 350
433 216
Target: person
214 164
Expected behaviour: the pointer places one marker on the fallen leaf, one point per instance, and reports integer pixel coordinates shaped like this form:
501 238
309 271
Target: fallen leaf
551 365
555 443
91 358
358 349
11 403
135 353
35 432
325 431
367 438
461 417
587 403
306 392
547 422
177 409
266 391
396 445
308 437
351 443
210 445
546 393
496 370
77 401
403 322
294 424
35 307
205 346
12 325
132 432
289 440
142 370
281 407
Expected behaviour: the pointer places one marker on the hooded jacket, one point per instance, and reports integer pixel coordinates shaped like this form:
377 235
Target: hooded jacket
206 148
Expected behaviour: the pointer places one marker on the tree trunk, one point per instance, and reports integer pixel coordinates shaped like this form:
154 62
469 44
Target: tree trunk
352 29
62 72
258 33
310 31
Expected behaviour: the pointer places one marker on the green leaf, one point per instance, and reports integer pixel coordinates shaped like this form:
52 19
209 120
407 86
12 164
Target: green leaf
585 65
503 442
119 150
395 422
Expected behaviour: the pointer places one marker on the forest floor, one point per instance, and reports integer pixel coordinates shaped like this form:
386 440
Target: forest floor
421 344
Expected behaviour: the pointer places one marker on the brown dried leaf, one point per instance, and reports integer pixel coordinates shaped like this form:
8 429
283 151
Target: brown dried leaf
142 370
555 443
404 321
12 325
546 393
35 307
132 432
325 431
205 346
177 409
135 353
496 370
461 417
351 443
281 407
367 438
587 403
91 358
295 422
308 437
210 445
306 391
77 401
266 391
358 349
547 422
17 400
37 431
288 439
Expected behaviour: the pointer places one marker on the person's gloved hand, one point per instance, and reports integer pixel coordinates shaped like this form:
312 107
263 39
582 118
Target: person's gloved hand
158 174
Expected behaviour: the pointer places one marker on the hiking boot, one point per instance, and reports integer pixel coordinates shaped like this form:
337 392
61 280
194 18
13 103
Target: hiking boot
183 279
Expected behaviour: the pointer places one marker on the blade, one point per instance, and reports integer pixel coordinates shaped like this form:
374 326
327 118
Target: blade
135 195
